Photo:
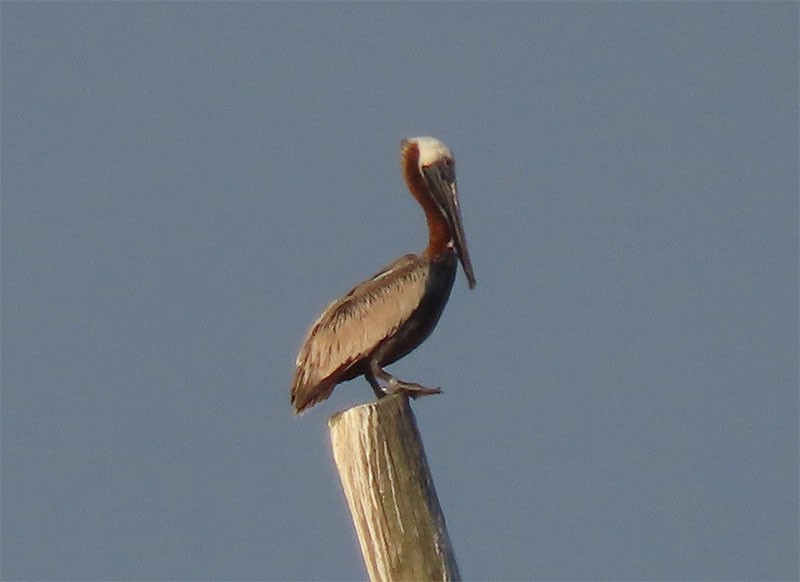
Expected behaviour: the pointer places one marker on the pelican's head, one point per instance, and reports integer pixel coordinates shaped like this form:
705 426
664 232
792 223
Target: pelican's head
437 168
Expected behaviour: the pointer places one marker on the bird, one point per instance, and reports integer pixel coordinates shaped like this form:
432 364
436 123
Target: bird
387 316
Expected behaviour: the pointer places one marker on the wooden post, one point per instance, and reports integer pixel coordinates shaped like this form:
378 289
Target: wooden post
388 485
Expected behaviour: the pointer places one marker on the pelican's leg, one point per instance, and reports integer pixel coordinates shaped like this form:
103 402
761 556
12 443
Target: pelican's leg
394 384
379 391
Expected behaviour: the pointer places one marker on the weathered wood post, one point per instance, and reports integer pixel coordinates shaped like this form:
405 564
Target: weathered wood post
388 485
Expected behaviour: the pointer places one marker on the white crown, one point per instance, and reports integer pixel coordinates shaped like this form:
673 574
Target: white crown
431 150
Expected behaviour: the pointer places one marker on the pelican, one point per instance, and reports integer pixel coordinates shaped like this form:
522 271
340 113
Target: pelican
387 316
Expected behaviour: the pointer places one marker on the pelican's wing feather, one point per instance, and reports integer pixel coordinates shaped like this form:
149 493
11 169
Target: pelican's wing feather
351 327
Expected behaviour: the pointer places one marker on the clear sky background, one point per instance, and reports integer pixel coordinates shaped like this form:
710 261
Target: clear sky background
186 186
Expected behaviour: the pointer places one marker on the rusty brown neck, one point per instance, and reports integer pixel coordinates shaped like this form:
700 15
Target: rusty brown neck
438 228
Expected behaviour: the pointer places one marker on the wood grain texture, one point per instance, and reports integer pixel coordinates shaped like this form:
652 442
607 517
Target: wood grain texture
386 480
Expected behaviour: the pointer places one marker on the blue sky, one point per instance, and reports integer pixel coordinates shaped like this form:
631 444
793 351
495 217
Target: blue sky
186 186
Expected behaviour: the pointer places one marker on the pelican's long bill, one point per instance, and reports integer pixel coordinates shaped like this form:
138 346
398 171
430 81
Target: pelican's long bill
441 179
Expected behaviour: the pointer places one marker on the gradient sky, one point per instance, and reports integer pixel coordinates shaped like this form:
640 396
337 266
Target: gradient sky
186 186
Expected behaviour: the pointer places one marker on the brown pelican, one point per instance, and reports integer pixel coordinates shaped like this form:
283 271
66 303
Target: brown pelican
387 316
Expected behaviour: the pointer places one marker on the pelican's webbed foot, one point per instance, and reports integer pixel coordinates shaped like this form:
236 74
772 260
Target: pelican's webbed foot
395 384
